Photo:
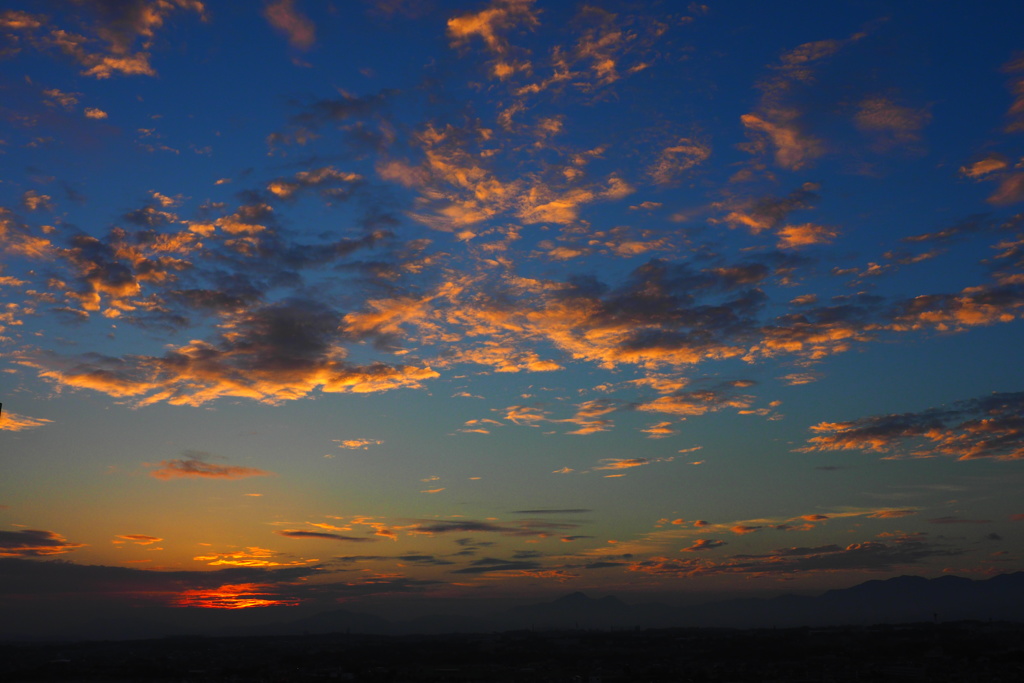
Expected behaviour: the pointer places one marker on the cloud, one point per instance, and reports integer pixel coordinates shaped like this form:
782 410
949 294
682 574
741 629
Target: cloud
111 33
195 466
284 351
806 234
1015 115
865 556
283 16
298 533
329 181
488 565
13 422
1010 190
889 123
622 463
660 430
985 427
700 402
245 584
526 528
491 26
770 212
777 124
250 557
676 159
704 544
137 539
34 543
357 444
984 166
555 511
892 514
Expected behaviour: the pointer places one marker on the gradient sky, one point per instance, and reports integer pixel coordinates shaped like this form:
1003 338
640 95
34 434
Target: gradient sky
306 302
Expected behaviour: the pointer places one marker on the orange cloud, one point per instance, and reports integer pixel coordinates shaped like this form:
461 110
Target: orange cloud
12 422
622 463
490 24
660 430
137 539
983 167
357 444
249 557
795 236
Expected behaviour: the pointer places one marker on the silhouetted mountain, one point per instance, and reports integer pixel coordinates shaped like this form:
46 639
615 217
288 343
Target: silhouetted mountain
335 621
576 610
898 600
903 599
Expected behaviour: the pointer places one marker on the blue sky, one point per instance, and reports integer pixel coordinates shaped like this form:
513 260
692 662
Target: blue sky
371 300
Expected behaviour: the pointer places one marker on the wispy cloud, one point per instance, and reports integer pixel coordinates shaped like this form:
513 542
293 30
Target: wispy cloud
283 16
195 466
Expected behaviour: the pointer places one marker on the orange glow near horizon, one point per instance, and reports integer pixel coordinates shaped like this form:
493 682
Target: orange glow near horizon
233 596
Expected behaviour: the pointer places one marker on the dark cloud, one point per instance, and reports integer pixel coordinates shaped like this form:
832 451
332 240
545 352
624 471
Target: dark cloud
866 556
769 213
195 466
281 351
526 528
34 543
29 577
486 565
298 533
565 511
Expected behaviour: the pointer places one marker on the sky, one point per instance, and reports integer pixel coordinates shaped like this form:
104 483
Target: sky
353 303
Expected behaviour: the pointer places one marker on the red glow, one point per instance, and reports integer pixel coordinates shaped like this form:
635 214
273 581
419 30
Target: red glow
233 596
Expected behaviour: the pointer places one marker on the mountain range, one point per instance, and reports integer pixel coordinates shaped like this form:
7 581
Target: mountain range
903 599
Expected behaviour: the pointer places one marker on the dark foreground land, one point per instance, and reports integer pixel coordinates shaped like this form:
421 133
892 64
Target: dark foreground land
960 651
